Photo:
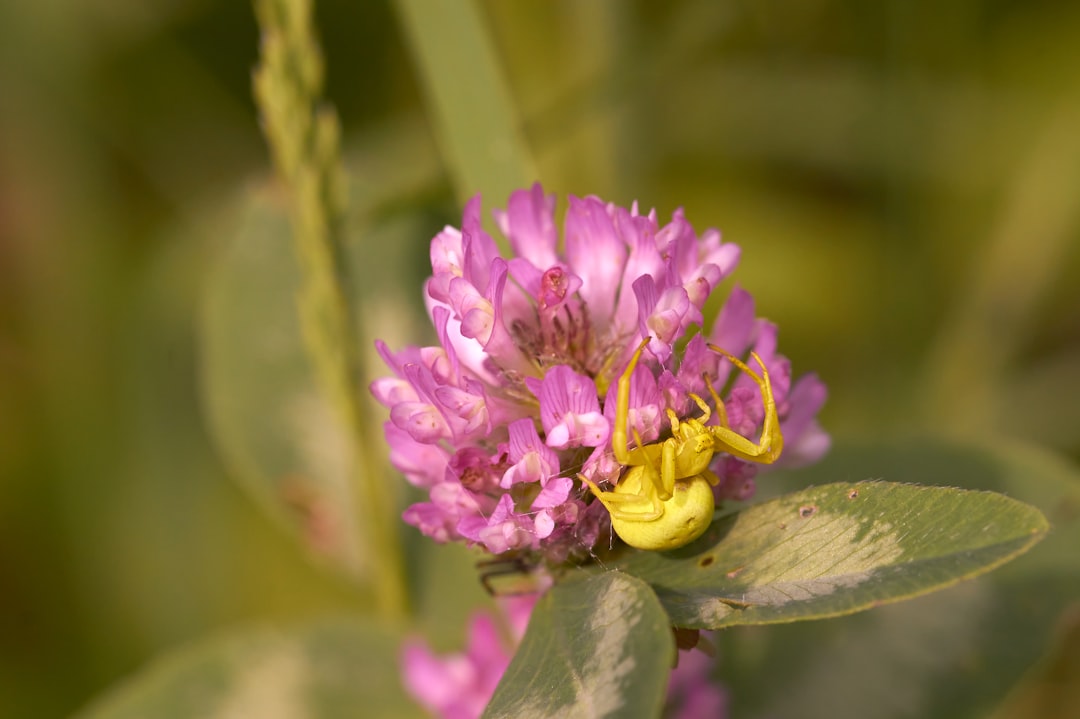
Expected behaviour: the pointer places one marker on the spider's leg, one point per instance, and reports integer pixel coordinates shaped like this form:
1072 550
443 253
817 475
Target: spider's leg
711 477
673 420
639 455
771 427
721 411
665 482
608 498
622 407
652 516
705 411
771 443
612 500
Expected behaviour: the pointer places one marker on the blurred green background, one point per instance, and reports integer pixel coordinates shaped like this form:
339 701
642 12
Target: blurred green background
903 177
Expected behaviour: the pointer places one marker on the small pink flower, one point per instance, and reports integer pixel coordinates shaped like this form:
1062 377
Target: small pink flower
569 409
692 693
533 461
459 686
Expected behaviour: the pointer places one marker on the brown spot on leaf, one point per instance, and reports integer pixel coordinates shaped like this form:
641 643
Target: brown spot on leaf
807 511
853 494
735 572
706 560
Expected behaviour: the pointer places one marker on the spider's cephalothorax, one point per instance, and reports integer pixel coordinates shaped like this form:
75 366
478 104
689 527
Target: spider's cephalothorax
664 498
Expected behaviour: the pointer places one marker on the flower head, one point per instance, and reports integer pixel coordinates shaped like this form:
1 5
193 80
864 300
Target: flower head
517 401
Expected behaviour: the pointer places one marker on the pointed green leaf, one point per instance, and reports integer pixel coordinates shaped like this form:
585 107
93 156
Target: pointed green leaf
953 654
332 669
834 550
475 118
266 414
595 647
274 430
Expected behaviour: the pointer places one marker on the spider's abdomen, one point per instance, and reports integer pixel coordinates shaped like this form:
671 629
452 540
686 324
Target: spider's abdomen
686 515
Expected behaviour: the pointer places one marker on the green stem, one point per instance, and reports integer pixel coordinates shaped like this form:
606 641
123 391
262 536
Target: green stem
304 139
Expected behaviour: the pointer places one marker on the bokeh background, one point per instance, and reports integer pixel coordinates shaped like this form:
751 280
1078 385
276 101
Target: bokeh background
903 177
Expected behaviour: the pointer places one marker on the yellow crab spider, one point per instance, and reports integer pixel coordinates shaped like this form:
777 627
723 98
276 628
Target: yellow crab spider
665 499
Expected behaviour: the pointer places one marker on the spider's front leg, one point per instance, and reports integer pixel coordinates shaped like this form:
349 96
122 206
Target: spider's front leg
619 439
768 448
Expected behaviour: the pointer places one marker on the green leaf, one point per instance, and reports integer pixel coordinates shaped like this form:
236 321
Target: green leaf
834 550
276 433
596 647
475 119
274 429
333 669
953 654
